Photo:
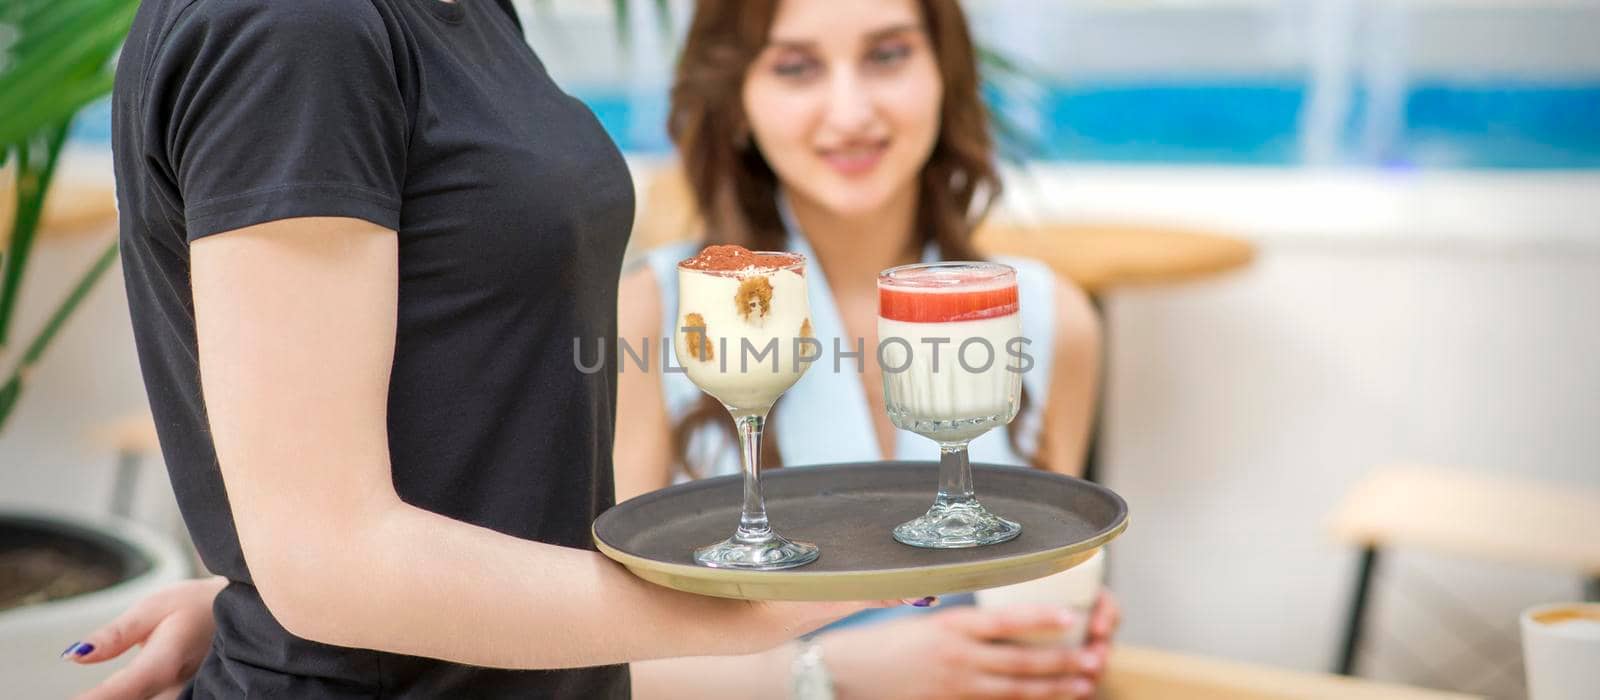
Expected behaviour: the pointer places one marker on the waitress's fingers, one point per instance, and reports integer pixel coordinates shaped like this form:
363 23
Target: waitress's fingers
170 656
124 632
152 672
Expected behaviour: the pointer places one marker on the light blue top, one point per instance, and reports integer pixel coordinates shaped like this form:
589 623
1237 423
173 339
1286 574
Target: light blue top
824 418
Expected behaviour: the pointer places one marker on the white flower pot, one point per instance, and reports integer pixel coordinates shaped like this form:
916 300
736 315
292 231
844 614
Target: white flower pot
32 637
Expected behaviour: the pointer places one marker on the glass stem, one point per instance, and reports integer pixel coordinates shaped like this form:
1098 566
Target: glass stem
753 526
955 474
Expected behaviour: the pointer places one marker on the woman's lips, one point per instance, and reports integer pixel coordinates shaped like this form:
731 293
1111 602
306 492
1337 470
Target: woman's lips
855 159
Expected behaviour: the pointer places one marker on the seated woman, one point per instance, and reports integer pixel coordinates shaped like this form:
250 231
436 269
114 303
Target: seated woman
852 133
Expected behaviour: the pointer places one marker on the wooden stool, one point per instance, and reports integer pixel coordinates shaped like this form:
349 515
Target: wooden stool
1489 518
1135 673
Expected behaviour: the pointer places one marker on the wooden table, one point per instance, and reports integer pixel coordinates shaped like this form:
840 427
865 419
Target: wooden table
1097 256
1101 256
70 209
1137 673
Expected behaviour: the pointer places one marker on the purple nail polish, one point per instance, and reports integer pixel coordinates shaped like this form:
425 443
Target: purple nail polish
77 649
925 602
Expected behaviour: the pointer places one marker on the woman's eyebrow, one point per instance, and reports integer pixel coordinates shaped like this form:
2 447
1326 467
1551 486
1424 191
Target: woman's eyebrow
893 30
874 35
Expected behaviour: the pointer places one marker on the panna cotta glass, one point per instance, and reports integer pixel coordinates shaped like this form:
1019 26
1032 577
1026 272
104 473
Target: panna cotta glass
741 318
950 345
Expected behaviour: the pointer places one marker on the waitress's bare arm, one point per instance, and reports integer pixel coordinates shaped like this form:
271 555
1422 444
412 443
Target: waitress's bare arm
296 328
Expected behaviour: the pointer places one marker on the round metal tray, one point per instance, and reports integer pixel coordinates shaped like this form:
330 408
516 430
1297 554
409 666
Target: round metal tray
849 511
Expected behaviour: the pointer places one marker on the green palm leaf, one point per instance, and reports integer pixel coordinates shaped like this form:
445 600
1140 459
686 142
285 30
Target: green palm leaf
56 57
60 61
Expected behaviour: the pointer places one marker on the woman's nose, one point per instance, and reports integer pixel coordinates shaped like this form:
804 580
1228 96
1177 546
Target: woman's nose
850 108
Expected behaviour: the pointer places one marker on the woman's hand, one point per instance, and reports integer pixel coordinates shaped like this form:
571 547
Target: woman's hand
174 627
1102 627
958 653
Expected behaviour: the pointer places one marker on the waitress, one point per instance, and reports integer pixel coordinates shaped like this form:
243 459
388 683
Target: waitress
360 238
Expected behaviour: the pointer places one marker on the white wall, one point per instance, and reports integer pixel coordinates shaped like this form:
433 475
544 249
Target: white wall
1240 411
1437 317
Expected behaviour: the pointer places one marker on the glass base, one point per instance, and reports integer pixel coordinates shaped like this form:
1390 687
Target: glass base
760 555
955 526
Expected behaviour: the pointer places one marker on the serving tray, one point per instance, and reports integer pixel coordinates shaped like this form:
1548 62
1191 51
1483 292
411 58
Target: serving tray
849 511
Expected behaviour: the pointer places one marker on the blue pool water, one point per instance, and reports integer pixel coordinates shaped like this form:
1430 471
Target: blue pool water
1475 125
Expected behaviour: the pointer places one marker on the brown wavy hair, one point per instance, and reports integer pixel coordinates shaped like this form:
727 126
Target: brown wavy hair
735 190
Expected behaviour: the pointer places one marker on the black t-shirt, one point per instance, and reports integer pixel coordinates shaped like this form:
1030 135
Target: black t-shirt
512 209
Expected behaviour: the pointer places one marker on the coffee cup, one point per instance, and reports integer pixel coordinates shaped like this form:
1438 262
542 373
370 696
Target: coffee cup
1561 651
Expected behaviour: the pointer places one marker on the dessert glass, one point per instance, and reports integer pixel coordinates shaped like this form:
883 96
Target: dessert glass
949 344
741 317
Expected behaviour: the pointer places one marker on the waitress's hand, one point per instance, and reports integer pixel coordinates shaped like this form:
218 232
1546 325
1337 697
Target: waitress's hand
174 627
958 654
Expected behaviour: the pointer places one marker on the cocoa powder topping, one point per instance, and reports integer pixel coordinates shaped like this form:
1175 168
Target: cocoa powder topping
736 258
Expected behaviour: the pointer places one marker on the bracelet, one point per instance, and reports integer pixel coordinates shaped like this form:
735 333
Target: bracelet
809 677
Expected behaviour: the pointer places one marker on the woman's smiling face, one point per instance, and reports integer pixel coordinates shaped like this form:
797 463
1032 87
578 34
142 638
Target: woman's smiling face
844 101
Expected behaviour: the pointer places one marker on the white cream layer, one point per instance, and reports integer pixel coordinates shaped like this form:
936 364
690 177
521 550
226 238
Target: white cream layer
952 392
734 375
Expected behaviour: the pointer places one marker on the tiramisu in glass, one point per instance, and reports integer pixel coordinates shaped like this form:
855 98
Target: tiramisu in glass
740 317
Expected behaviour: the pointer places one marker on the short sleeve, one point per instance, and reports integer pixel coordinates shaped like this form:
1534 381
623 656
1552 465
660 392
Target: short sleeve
267 110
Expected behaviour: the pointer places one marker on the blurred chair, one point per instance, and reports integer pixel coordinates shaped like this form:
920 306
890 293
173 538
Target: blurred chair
131 438
1103 257
1495 519
1136 673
